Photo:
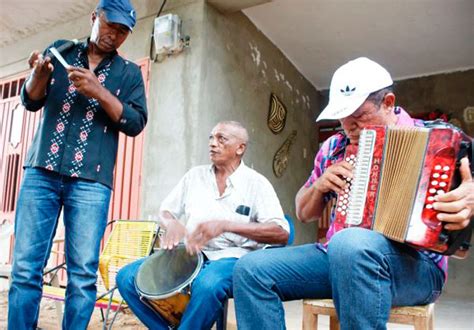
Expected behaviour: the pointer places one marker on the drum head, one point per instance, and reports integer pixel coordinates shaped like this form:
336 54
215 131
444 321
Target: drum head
167 272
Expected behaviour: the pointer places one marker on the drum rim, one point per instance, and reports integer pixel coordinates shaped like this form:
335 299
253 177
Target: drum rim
179 288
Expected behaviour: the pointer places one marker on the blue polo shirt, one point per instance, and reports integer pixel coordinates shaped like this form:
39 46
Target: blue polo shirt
75 136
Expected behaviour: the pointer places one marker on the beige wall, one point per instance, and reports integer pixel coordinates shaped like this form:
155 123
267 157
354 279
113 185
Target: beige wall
228 72
451 93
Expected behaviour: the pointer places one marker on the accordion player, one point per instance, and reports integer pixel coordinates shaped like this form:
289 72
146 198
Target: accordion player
397 173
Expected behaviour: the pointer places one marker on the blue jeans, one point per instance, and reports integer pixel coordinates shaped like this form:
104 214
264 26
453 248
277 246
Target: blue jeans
209 290
363 272
85 206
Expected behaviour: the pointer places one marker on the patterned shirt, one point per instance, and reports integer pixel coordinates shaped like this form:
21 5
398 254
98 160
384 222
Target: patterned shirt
75 136
248 198
332 151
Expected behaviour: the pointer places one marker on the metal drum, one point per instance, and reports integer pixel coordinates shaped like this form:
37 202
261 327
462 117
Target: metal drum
164 281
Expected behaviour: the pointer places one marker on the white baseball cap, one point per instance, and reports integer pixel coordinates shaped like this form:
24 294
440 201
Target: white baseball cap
351 84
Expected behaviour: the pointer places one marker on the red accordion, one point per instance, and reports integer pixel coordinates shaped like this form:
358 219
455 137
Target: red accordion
397 173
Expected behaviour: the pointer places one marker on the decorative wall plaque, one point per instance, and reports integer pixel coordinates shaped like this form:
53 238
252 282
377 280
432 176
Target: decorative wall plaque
469 115
276 115
280 160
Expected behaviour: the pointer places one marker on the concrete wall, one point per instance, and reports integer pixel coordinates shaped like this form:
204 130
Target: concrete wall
227 73
451 93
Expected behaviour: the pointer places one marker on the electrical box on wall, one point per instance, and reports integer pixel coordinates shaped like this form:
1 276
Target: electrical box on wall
167 35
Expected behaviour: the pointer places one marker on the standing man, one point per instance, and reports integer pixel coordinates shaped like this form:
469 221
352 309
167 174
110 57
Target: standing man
362 271
226 210
70 163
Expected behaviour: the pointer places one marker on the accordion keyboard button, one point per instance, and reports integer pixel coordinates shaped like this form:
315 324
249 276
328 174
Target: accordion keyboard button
436 175
432 190
429 206
442 184
444 176
446 168
434 183
437 167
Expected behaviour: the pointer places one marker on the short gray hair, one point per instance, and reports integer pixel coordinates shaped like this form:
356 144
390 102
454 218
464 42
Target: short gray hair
377 96
236 124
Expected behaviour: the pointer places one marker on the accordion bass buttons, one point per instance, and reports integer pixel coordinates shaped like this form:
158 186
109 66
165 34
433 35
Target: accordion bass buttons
437 185
343 199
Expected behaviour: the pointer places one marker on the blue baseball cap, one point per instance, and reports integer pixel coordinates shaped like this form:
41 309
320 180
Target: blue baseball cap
118 11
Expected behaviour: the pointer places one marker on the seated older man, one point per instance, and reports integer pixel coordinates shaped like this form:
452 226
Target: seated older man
224 210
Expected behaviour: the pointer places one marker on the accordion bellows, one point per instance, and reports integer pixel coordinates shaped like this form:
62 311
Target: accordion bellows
397 173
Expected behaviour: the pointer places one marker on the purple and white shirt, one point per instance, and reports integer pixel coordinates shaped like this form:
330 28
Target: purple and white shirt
332 151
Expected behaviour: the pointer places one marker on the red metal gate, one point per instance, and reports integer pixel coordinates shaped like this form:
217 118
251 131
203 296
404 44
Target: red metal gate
17 128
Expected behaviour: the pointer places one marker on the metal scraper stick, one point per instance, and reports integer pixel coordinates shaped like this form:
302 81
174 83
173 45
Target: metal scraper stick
61 59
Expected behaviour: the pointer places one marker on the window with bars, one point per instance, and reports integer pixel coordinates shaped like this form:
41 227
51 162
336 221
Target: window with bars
11 88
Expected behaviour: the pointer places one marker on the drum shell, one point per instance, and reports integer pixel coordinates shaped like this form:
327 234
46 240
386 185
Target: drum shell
164 280
171 308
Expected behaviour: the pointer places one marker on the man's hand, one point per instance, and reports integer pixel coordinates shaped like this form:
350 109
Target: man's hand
41 66
85 82
174 233
332 178
203 233
457 206
310 202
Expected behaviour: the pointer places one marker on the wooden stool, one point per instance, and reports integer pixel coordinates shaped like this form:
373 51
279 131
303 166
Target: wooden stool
421 317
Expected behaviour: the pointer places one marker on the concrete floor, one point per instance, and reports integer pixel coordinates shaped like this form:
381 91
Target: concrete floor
451 313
